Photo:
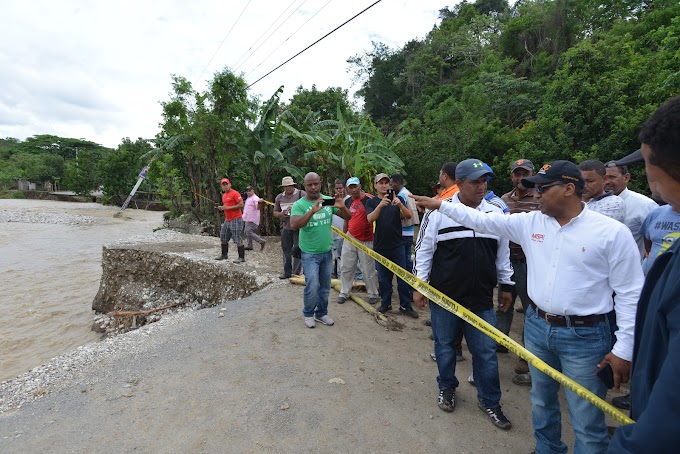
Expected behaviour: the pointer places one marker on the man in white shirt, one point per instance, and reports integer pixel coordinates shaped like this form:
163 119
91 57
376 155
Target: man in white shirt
576 260
638 206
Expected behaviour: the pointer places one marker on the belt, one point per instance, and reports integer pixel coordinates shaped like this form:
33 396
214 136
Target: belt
569 320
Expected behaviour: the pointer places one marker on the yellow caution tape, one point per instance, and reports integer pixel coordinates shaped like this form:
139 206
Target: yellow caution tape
450 305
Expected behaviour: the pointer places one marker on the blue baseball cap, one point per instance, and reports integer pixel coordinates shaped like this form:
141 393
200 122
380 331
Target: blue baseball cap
351 181
472 169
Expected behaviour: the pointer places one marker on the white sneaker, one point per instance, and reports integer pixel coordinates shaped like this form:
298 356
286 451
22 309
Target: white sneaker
471 379
309 322
326 320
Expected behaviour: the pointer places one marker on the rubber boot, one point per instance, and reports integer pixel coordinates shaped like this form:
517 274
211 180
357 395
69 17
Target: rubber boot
241 255
225 252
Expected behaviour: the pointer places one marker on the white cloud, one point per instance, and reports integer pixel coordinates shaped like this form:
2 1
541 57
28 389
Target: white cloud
98 69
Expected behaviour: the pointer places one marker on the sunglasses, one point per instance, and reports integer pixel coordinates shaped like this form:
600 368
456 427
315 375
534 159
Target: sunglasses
541 189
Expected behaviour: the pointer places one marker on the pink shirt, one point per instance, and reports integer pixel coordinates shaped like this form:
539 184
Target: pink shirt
251 213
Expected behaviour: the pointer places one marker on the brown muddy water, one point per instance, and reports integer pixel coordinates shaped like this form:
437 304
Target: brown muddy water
50 267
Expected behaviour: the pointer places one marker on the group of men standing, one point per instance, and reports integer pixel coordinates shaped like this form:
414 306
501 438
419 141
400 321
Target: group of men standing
581 248
238 223
374 221
571 241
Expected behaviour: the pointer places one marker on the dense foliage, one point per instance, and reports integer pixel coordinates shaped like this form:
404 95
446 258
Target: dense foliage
544 80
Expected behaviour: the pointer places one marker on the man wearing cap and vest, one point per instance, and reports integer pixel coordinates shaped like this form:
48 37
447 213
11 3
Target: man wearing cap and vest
232 203
519 200
360 229
289 237
465 265
576 260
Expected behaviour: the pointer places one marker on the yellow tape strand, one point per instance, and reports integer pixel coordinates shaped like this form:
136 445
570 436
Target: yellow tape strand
450 305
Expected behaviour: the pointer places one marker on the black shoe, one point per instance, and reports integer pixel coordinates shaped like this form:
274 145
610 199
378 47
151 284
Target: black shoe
239 260
497 417
409 312
342 299
382 309
427 322
262 245
622 402
447 399
248 248
221 257
284 276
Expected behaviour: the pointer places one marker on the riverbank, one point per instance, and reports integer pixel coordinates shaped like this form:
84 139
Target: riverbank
50 269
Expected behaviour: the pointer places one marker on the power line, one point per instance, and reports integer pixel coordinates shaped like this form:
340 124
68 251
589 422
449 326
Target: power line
225 38
271 34
286 40
315 42
236 65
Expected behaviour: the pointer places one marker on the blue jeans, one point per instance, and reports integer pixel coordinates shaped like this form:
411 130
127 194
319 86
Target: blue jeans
385 278
445 326
318 269
575 351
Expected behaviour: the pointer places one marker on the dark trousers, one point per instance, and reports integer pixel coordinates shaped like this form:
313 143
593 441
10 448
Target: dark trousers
289 239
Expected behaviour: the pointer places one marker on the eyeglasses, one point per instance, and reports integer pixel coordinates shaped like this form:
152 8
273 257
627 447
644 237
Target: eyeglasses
541 189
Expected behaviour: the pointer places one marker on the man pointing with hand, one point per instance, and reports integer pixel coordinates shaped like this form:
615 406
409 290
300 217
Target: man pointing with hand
576 260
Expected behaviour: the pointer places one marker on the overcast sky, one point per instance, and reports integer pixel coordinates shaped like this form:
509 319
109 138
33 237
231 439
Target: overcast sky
98 69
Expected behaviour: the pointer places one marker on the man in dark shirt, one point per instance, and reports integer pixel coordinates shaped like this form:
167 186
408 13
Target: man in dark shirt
655 402
387 210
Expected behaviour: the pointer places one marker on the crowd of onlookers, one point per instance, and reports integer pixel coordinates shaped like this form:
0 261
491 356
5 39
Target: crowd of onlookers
595 266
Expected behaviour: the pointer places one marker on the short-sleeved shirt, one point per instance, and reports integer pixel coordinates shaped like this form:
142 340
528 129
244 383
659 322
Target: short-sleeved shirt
662 228
283 202
610 205
387 234
229 199
316 237
358 225
251 211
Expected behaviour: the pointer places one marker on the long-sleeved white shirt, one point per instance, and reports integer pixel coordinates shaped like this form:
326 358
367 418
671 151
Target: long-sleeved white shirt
572 269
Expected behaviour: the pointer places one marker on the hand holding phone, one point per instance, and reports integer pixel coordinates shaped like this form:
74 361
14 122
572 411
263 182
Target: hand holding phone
606 374
390 194
328 202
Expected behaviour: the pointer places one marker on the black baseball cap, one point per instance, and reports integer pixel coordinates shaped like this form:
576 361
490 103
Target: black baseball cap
632 158
564 171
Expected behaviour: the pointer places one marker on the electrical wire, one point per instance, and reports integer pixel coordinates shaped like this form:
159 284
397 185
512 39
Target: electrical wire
225 38
316 42
270 35
236 65
286 40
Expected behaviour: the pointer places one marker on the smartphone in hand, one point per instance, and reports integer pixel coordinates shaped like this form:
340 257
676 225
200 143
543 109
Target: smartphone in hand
390 194
606 374
328 202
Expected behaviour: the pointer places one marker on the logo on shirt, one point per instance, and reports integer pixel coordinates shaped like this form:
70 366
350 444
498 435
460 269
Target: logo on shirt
537 237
